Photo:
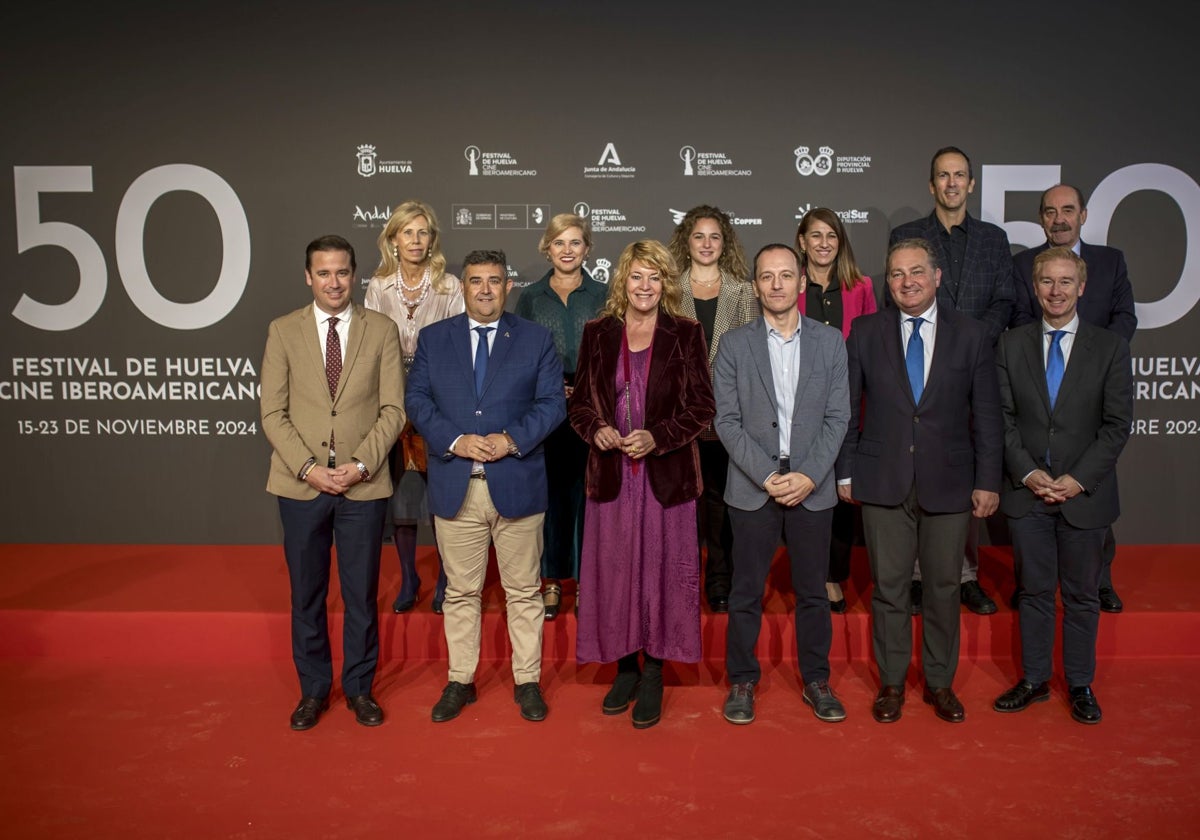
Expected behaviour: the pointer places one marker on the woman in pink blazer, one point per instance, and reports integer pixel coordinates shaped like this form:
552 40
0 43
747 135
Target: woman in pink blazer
833 291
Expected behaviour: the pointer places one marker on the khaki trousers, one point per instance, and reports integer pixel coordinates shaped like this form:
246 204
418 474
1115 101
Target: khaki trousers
463 543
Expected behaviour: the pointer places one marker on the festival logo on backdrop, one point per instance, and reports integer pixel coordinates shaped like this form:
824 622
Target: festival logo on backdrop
703 164
484 163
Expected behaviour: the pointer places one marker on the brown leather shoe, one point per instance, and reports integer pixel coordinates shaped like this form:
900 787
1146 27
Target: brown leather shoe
945 704
887 704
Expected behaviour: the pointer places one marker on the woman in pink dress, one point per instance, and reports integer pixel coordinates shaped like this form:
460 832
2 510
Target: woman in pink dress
642 396
411 286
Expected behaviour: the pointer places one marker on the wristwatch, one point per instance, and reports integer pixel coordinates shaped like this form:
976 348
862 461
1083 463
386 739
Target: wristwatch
512 444
364 474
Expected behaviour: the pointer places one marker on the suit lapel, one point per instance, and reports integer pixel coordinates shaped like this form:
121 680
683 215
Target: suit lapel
506 329
1031 352
666 340
808 349
1081 350
762 361
727 306
310 341
358 330
893 349
460 346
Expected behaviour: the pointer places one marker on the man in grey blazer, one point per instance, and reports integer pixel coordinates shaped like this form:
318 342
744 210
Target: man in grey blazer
1066 388
782 408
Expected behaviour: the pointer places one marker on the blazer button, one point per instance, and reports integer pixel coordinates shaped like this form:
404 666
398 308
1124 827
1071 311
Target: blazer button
325 443
774 425
912 449
478 413
916 419
333 414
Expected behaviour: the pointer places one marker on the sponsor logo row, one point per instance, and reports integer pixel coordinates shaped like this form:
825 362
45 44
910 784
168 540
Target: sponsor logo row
535 217
695 162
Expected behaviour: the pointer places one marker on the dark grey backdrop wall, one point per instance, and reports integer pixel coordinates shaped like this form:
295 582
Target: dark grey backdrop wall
166 168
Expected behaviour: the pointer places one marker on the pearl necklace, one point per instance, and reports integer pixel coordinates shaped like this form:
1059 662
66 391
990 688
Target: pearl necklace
424 286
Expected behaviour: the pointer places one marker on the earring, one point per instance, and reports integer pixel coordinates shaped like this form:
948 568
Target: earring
396 252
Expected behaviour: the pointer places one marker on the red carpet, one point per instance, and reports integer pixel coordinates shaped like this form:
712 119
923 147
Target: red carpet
147 691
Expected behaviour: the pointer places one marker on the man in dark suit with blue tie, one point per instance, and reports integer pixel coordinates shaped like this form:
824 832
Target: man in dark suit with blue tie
484 391
977 280
922 455
1067 392
1108 304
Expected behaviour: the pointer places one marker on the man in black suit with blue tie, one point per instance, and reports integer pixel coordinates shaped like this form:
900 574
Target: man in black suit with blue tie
1108 304
977 281
1067 393
922 455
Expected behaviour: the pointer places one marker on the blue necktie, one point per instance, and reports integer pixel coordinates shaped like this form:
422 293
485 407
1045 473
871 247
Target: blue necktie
481 357
914 360
1055 365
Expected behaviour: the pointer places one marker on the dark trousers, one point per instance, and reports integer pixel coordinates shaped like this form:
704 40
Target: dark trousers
756 535
310 529
847 524
1049 554
713 528
562 531
1108 552
895 537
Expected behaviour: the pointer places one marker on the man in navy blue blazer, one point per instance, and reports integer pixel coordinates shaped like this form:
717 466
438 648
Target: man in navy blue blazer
484 391
1108 304
977 280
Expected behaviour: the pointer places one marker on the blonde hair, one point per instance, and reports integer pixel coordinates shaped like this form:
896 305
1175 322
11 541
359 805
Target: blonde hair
652 253
401 216
560 223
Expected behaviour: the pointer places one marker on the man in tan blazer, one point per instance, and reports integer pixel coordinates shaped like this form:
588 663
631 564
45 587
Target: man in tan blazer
332 406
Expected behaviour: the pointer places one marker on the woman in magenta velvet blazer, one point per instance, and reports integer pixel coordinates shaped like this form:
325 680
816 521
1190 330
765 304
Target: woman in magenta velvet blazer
833 291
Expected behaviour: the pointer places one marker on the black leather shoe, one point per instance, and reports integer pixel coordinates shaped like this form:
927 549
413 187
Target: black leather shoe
1021 696
1084 707
945 704
436 606
719 603
1109 600
366 710
915 592
975 599
739 705
308 712
529 697
888 703
824 702
454 696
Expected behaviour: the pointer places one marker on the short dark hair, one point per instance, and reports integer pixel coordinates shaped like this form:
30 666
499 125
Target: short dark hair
329 242
485 257
916 242
949 150
1078 195
774 246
